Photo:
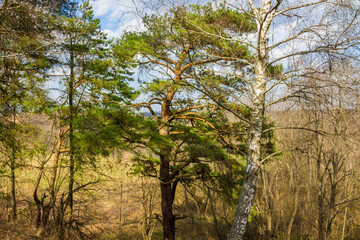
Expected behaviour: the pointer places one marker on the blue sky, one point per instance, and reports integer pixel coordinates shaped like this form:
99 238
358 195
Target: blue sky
116 16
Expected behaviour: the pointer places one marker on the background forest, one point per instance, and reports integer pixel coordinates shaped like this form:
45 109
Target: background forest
211 120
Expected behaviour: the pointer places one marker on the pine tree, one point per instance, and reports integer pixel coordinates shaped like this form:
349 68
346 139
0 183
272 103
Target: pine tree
24 37
185 130
88 73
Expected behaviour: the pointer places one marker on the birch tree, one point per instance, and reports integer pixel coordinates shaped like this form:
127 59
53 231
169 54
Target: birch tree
307 32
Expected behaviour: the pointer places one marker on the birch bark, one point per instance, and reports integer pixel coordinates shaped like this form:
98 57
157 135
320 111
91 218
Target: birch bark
263 18
307 31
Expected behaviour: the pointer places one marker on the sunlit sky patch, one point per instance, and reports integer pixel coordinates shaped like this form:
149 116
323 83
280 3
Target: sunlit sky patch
116 16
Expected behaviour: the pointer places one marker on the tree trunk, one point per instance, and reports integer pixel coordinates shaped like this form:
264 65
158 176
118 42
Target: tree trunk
60 219
267 200
253 161
38 202
321 195
263 18
45 209
12 168
294 184
168 218
71 135
333 194
13 190
167 194
56 161
248 191
293 214
350 187
167 190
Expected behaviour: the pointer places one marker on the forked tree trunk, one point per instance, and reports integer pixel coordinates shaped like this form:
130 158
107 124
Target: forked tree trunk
38 202
168 219
167 188
43 209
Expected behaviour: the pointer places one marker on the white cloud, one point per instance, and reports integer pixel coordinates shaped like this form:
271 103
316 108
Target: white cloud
131 25
117 16
112 8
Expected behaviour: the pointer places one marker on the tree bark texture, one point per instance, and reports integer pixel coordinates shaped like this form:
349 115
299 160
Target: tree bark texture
263 18
168 218
250 178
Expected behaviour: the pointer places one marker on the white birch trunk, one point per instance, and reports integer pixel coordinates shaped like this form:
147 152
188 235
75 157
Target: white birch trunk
263 20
